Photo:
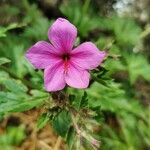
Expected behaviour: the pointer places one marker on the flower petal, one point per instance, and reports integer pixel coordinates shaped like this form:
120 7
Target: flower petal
42 54
54 79
62 35
77 78
87 56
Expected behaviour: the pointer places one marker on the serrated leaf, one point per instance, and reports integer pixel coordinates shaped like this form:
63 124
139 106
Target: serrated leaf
3 74
4 60
78 98
71 98
40 26
20 105
71 136
38 93
6 96
42 121
137 66
61 123
84 100
3 30
122 28
15 86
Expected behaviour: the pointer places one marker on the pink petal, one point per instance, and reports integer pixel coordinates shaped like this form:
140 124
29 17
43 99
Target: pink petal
76 77
54 79
87 56
62 35
42 54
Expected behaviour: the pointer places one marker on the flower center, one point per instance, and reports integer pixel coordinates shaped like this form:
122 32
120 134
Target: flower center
66 57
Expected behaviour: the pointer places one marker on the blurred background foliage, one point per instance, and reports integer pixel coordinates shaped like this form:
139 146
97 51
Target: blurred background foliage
121 27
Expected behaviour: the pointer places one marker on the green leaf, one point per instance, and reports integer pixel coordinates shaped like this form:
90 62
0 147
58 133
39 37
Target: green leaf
71 98
81 16
42 121
77 98
20 65
13 136
38 93
21 105
61 123
84 101
4 60
15 86
114 65
101 79
3 30
122 27
137 66
41 26
6 96
71 136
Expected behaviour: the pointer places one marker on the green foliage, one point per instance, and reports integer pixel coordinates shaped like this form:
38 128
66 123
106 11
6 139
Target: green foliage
12 85
17 103
3 30
78 14
13 136
78 101
114 107
41 26
42 121
137 66
125 110
122 28
4 60
71 137
14 97
61 123
84 101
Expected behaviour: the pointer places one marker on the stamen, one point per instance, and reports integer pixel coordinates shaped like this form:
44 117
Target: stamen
65 67
66 58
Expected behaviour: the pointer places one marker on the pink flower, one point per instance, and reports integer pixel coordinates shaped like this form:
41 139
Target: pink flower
62 63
